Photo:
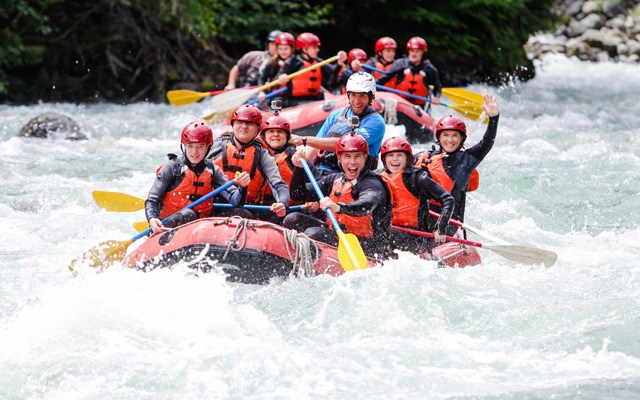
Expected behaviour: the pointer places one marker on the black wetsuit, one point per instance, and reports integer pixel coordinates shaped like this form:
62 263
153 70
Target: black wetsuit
370 195
460 164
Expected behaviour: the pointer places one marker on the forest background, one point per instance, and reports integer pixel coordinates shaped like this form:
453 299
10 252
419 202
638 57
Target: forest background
135 50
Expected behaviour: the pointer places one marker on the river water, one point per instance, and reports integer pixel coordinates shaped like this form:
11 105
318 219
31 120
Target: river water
563 176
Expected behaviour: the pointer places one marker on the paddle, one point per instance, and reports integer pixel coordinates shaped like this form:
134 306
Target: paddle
517 253
472 229
118 202
255 101
182 97
111 251
457 95
229 100
472 111
122 202
350 252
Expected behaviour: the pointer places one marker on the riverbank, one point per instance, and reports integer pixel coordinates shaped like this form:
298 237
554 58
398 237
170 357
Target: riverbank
593 30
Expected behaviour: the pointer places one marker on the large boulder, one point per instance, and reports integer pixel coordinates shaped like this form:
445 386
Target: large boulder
52 125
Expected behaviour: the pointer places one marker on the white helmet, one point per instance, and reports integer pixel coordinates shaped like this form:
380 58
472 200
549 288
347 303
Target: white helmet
362 82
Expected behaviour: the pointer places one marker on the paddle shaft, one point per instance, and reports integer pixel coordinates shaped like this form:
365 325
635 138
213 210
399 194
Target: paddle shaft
472 229
192 206
431 235
297 73
269 95
255 207
332 217
407 94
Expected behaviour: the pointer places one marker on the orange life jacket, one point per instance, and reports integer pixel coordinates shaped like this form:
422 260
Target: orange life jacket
438 173
414 84
247 160
392 82
309 83
358 225
286 172
190 189
405 203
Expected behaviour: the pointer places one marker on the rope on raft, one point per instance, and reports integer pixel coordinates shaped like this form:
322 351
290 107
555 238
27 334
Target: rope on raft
302 251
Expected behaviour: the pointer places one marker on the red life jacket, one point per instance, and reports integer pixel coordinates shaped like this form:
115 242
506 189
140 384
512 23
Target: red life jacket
247 160
190 189
406 205
309 83
414 84
438 173
392 82
358 225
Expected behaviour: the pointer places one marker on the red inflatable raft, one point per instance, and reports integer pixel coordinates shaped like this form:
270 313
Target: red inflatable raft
251 251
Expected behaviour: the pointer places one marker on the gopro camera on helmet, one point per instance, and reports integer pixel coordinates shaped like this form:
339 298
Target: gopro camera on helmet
276 106
353 121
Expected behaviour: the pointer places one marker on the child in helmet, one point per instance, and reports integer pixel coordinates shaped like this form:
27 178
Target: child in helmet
415 73
361 90
357 196
186 178
270 70
453 166
308 86
241 150
413 189
385 50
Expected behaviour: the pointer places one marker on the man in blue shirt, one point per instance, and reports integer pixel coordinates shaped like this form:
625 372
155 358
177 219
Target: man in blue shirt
361 90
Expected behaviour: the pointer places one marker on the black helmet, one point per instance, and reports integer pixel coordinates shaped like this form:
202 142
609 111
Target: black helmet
273 35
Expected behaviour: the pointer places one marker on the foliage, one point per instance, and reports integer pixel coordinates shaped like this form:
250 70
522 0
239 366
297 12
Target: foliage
126 50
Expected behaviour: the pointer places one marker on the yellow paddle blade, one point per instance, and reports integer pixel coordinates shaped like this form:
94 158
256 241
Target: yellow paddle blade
115 201
141 226
101 256
182 97
473 112
463 96
350 252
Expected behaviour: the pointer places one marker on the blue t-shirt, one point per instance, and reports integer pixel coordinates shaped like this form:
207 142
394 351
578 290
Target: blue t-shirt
371 128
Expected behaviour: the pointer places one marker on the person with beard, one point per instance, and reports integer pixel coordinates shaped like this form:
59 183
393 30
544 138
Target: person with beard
361 90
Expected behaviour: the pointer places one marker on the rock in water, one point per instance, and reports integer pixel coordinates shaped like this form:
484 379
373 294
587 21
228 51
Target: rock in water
52 125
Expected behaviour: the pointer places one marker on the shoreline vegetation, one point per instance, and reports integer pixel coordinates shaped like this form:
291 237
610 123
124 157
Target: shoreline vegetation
126 51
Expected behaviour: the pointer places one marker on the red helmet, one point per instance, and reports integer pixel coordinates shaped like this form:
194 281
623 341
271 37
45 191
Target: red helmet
276 122
197 132
356 54
351 142
307 39
451 122
417 42
385 43
247 113
396 144
285 38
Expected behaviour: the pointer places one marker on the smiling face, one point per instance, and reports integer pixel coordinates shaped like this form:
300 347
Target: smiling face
388 55
275 138
395 161
352 163
284 51
359 102
450 140
245 131
196 151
